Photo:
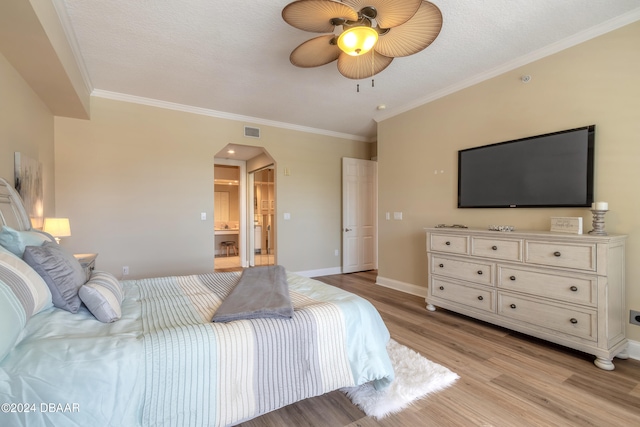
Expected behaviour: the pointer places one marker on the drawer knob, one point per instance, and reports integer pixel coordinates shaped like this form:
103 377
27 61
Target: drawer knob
512 278
447 243
441 265
480 297
495 248
441 288
480 272
512 306
574 288
574 320
557 253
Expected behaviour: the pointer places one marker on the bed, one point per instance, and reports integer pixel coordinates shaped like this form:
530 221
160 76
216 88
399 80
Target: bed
163 362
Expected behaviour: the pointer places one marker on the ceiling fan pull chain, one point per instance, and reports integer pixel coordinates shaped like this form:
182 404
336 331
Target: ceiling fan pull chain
373 72
358 74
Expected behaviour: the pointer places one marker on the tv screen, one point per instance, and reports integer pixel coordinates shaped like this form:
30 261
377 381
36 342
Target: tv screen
551 170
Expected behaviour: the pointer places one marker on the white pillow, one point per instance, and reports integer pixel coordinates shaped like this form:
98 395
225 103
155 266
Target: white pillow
26 283
12 319
102 295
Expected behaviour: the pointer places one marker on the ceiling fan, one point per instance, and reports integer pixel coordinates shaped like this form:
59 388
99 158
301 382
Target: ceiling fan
373 32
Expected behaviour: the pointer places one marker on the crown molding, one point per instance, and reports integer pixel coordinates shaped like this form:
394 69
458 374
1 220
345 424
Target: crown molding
576 39
220 114
70 34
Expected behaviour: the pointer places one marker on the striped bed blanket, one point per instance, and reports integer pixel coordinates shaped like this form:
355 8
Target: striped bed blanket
199 373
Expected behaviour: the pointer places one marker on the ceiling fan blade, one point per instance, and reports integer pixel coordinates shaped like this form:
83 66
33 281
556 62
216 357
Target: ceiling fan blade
362 66
316 15
391 13
414 35
315 52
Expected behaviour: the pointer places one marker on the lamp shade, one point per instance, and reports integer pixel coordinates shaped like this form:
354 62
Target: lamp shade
357 41
57 227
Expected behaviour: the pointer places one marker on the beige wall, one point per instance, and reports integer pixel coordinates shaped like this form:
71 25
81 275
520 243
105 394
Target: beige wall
134 179
592 83
26 126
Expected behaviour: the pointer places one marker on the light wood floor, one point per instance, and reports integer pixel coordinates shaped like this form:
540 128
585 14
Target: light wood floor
506 378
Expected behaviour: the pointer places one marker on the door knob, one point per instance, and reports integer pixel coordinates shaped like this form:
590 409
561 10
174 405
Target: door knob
347 229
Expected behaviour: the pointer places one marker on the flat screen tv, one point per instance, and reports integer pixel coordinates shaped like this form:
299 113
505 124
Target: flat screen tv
551 170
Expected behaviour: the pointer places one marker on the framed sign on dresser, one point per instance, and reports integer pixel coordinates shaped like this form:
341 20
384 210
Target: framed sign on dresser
564 288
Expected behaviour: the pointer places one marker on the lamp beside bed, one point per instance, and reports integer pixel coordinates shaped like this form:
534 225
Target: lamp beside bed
57 227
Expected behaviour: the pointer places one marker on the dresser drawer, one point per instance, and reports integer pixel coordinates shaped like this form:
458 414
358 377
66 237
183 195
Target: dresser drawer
450 244
578 256
576 289
565 320
504 249
474 271
476 297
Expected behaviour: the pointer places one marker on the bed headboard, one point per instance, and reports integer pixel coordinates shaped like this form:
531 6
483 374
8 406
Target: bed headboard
12 211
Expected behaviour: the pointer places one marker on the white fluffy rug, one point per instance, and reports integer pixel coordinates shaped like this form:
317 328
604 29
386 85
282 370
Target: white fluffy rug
415 378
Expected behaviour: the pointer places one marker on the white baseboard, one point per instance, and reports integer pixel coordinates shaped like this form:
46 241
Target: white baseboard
407 288
321 272
633 348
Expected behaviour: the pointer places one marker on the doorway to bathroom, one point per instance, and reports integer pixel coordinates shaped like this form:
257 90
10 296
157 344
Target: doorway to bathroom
256 241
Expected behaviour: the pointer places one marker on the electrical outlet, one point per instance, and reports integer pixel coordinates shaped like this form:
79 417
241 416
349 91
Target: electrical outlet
634 317
336 252
125 270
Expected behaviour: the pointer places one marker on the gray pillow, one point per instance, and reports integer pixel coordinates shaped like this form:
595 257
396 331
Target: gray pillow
102 295
60 270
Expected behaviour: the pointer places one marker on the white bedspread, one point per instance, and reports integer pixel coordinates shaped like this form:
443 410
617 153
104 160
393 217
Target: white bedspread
165 364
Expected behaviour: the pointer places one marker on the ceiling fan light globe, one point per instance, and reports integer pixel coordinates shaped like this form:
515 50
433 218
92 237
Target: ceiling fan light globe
357 40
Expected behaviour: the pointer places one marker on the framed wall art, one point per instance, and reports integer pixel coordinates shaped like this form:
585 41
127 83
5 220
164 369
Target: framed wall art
29 184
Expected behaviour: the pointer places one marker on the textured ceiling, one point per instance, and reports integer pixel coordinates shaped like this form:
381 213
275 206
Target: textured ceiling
233 57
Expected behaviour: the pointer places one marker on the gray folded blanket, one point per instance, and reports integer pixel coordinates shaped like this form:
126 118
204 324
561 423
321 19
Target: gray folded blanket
260 292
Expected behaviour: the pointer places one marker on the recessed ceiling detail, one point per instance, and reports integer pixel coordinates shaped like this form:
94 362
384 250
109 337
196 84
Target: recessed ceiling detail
366 35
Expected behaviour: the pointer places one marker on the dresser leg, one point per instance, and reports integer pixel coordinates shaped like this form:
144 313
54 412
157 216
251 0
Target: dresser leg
431 307
624 354
603 363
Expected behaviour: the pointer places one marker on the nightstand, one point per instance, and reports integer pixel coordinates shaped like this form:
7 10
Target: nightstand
88 263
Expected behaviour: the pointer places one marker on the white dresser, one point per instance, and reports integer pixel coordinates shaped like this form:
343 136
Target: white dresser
564 288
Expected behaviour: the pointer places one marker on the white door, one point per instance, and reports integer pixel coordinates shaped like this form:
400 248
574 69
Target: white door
359 207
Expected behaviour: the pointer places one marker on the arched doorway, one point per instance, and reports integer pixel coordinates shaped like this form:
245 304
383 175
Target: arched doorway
257 225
